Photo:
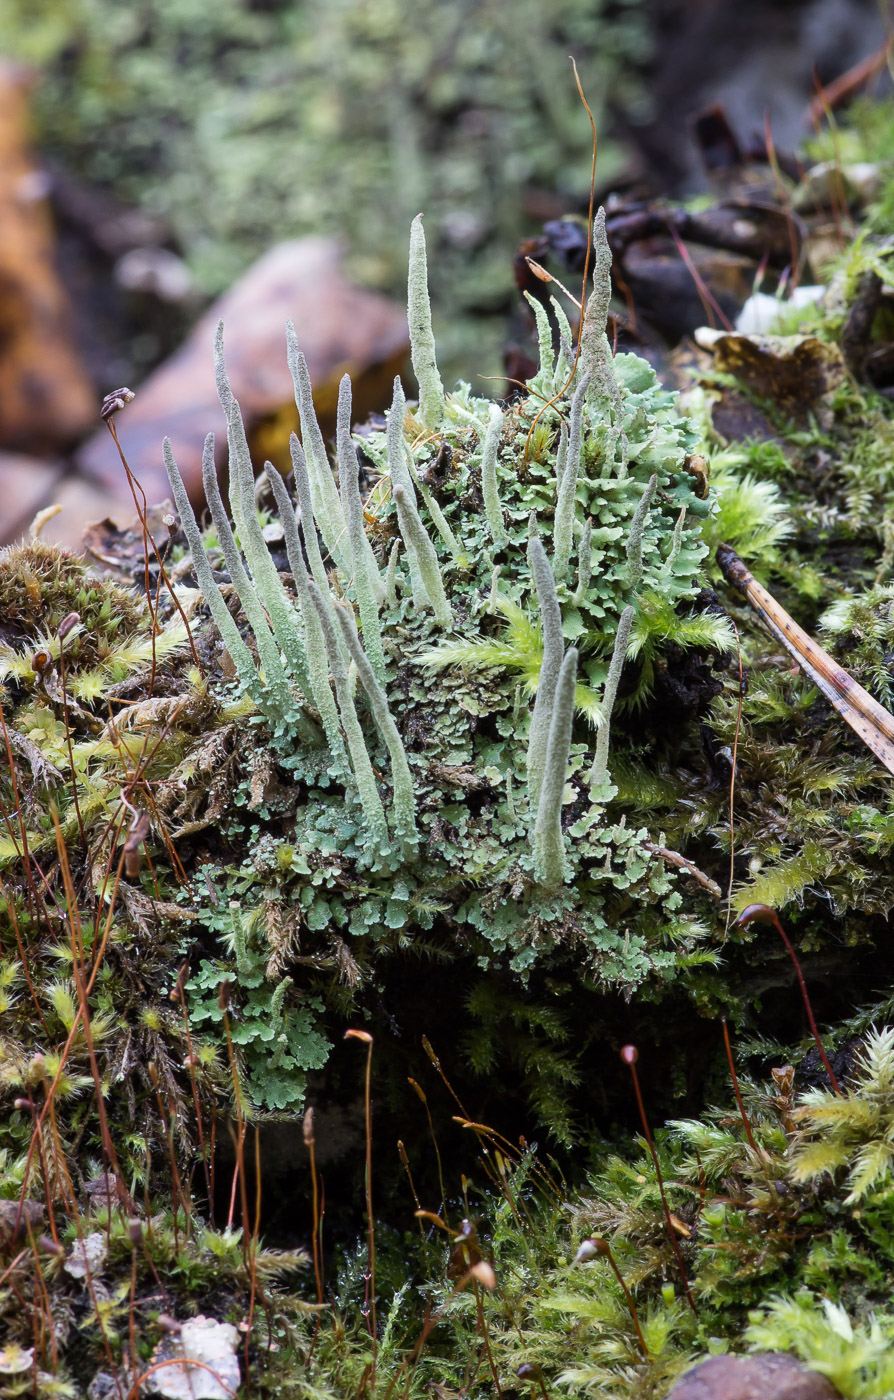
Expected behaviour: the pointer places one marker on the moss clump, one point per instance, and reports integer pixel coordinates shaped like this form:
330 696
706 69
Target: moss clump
782 1210
40 584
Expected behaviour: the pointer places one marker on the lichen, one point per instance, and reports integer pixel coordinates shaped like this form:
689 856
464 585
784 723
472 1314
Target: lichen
451 808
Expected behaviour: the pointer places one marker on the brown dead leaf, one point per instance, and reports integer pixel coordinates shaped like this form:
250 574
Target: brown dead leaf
794 372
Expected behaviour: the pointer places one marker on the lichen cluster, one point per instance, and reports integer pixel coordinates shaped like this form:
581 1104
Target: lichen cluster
487 555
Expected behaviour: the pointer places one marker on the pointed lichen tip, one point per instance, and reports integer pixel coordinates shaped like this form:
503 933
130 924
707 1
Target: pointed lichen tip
418 267
601 246
208 456
294 353
221 378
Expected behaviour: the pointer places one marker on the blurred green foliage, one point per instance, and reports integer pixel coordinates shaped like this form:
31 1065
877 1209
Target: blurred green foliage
255 120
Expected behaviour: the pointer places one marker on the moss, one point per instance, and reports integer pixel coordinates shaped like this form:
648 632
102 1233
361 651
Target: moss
40 584
778 1253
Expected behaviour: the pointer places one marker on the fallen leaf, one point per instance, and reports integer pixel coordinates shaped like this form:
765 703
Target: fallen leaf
794 372
87 1255
15 1359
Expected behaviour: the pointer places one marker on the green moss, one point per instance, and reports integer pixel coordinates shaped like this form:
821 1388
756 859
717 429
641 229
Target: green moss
776 1257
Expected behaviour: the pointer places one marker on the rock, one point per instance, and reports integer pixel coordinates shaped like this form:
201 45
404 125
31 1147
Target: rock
340 328
103 1191
26 486
17 1218
81 503
29 486
46 401
768 1376
665 291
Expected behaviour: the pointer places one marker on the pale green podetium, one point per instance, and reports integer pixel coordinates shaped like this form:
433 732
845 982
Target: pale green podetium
317 655
489 490
400 476
327 507
584 562
364 777
245 587
567 473
240 655
549 842
422 340
271 693
419 544
635 537
401 778
285 620
553 647
599 771
595 351
366 576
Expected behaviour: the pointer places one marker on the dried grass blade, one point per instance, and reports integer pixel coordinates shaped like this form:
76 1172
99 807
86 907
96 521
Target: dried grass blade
870 720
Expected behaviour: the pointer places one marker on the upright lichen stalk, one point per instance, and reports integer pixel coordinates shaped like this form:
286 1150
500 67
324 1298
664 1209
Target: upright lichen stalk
422 339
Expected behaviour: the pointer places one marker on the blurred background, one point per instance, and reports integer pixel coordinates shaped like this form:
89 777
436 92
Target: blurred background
166 162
